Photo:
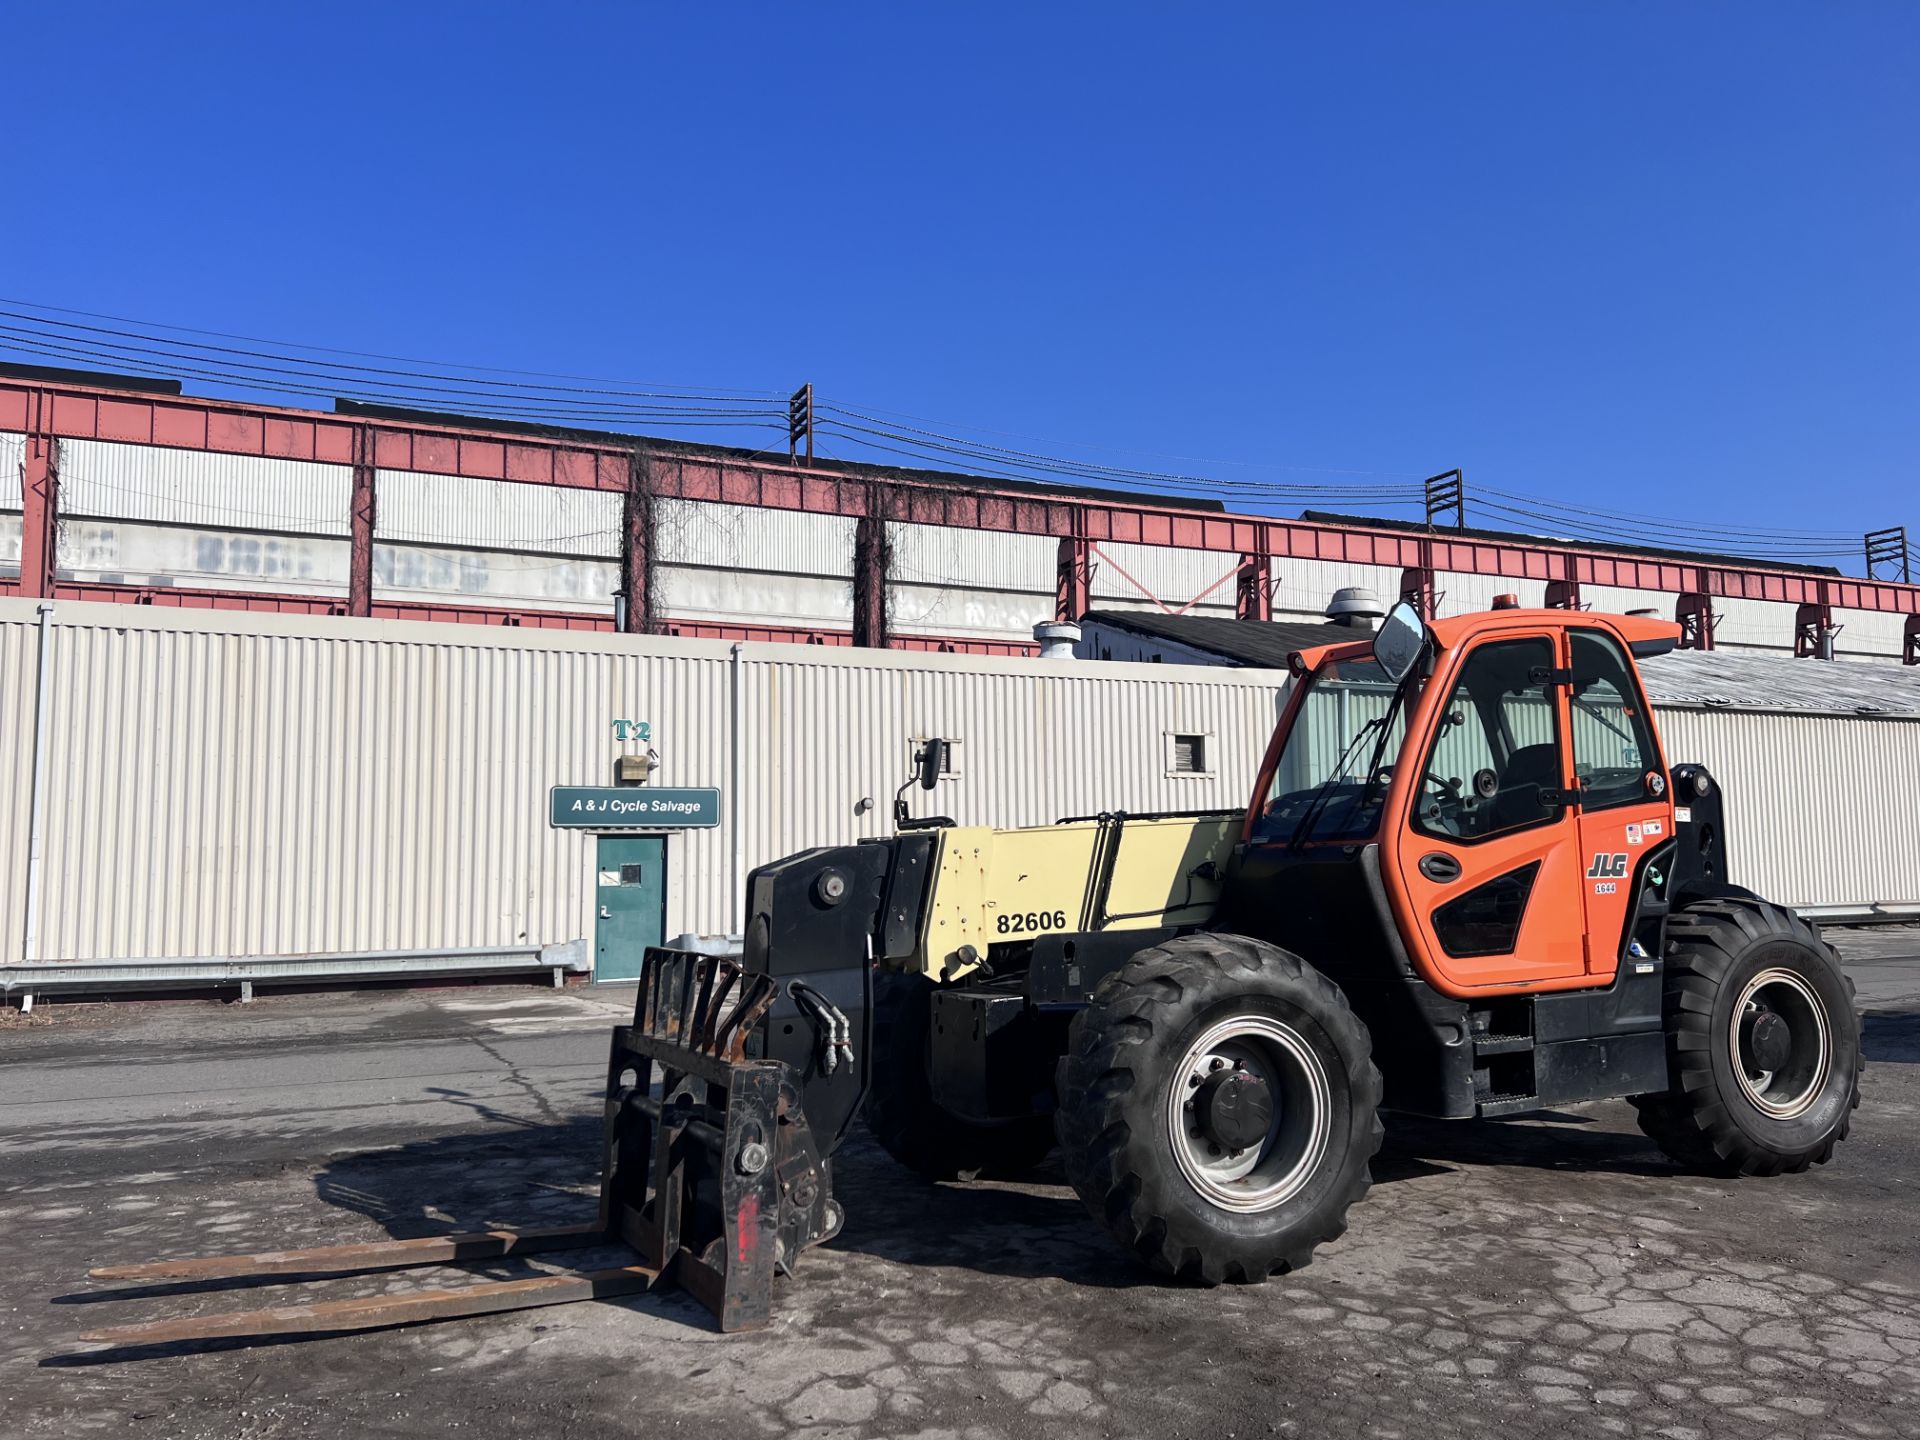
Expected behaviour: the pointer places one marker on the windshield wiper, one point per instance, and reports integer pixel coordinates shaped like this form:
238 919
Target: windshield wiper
1311 814
1383 724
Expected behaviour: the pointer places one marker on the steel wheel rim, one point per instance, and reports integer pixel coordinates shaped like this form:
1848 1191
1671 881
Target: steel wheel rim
1789 1090
1268 1175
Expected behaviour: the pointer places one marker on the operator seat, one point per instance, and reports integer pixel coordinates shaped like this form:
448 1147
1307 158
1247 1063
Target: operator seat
1530 770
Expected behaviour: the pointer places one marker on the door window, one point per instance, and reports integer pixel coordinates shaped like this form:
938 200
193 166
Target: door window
1612 745
1494 765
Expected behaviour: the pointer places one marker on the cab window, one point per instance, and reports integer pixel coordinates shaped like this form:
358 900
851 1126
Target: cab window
1613 746
1494 765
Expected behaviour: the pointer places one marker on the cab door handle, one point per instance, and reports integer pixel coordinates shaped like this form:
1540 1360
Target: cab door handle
1440 867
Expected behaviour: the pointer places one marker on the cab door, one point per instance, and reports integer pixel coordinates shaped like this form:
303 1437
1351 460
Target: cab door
1626 808
1486 852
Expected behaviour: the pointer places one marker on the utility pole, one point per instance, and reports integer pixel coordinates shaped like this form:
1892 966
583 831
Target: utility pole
800 421
1447 491
1889 547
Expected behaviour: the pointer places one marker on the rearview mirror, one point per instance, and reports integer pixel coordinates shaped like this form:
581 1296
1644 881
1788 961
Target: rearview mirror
1399 641
933 760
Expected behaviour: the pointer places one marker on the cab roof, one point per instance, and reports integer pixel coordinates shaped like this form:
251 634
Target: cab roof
1644 635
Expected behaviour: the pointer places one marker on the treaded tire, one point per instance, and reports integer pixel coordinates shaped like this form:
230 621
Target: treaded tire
1705 1120
1126 1050
909 1123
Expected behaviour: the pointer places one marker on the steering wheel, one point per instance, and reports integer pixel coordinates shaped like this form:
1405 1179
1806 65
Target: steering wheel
1447 802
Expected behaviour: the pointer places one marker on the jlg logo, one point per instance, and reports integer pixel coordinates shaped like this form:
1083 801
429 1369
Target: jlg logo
1608 867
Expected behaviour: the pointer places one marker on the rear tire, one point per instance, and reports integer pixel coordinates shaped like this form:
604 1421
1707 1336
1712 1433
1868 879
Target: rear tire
1752 1095
902 1113
1144 1160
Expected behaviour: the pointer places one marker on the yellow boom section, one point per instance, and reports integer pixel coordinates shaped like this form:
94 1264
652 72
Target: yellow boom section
997 887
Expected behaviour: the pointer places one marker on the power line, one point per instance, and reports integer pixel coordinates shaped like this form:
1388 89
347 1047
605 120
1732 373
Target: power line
531 397
357 354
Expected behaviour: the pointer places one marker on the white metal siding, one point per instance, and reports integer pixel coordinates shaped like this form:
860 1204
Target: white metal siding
1870 634
103 479
13 455
1462 593
789 542
483 577
975 559
250 784
19 640
1820 810
461 511
253 784
980 614
1619 600
1302 588
134 552
1174 577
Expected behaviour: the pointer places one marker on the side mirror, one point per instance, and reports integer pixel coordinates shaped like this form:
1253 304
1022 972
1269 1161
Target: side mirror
1400 640
933 760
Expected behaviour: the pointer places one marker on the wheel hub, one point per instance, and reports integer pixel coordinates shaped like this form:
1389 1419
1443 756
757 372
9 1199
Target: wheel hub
1782 1043
1767 1040
1249 1113
1233 1108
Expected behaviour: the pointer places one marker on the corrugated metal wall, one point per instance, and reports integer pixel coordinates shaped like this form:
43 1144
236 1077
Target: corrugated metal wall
1036 741
250 784
18 664
496 514
13 454
100 478
1822 810
227 784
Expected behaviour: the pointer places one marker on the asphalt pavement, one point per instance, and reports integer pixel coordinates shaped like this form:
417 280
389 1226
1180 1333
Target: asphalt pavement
1550 1275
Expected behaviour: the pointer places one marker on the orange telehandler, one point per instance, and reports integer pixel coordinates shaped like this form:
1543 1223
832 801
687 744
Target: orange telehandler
1468 884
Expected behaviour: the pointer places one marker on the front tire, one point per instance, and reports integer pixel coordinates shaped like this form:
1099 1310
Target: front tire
1219 1109
1763 1045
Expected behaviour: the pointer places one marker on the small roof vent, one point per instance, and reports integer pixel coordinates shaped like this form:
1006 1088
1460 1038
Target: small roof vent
1355 605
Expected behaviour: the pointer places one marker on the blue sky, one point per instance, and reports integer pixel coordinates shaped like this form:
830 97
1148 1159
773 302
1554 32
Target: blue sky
1655 258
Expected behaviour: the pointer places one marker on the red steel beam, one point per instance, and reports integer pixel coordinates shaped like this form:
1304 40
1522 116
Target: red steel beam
39 500
361 517
229 427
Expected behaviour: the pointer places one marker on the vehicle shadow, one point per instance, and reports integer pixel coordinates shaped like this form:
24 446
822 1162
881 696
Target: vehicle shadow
1891 1038
538 1175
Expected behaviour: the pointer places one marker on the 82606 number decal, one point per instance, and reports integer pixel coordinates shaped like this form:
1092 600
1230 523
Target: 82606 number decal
1019 923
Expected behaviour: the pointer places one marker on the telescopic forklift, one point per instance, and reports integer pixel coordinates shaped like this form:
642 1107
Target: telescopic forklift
1468 884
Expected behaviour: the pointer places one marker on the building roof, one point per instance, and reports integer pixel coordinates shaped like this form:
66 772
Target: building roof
1694 679
1264 644
1523 537
1721 679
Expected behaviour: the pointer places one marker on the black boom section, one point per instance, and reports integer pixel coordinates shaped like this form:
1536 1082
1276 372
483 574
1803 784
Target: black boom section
813 923
1700 867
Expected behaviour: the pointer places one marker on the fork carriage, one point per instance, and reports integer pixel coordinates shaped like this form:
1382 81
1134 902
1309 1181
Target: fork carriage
709 1175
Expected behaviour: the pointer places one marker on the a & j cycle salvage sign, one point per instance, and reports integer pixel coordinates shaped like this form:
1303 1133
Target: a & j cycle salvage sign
633 807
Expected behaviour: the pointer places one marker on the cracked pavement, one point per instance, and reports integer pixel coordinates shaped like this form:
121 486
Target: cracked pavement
1552 1275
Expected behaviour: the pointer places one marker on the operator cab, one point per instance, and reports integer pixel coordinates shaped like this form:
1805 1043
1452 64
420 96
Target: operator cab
1461 811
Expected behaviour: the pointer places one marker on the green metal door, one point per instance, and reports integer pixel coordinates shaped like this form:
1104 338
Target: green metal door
632 901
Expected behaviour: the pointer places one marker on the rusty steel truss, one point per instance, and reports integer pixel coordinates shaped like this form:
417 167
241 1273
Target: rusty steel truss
48 411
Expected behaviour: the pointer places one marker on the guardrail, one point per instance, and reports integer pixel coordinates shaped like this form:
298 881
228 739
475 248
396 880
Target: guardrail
105 977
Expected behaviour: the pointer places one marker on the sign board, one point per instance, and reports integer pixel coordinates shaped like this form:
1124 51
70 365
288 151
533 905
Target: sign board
633 807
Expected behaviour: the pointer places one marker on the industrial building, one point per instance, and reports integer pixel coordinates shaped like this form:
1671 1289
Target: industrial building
120 489
287 695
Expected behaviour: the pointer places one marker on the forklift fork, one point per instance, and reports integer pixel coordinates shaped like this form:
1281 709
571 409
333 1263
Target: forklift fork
709 1175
